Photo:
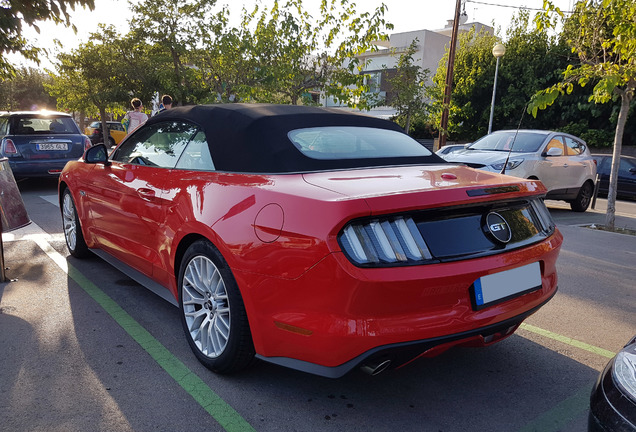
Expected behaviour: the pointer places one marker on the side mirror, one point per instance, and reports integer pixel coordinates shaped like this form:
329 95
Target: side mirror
97 154
554 151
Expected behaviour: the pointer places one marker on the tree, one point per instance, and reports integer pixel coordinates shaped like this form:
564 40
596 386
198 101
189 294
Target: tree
25 91
296 55
533 60
603 35
226 60
30 12
175 27
407 88
91 78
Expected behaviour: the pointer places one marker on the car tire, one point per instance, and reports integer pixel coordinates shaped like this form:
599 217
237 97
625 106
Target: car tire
212 310
72 229
583 198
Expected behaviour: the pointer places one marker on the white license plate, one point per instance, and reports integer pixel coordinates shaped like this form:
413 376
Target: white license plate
501 286
53 146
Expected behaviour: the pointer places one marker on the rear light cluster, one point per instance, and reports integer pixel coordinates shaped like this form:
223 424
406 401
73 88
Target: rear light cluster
396 240
8 147
390 240
544 217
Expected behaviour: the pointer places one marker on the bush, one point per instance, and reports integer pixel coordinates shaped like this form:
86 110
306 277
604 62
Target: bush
593 137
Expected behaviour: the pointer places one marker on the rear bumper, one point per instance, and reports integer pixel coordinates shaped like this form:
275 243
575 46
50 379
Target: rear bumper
401 353
40 168
337 316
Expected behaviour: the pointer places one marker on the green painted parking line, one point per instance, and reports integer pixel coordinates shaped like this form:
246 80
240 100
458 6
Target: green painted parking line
574 406
220 410
223 413
569 341
563 413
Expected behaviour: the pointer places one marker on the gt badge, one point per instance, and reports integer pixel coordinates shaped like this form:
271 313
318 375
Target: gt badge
498 227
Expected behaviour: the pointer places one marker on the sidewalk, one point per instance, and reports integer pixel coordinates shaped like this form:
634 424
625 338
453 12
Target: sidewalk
625 214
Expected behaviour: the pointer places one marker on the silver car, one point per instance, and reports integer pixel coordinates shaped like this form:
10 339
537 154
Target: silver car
561 161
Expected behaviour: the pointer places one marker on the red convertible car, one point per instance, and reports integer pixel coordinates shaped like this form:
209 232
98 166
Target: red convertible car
312 238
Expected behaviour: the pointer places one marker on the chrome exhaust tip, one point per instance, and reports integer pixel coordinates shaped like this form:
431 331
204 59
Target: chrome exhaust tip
373 368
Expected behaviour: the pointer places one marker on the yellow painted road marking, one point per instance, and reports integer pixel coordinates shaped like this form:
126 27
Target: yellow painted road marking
569 341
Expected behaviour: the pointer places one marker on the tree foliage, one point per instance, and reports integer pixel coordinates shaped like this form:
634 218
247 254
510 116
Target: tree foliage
533 60
15 13
95 78
407 92
603 35
291 55
25 91
173 28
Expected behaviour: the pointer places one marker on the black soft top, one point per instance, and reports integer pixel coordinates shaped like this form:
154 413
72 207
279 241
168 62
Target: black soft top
254 137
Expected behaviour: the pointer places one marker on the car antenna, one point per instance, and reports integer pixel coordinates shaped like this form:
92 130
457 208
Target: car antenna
503 169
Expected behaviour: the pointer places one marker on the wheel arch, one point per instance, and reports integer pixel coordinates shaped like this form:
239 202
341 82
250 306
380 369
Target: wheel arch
60 192
183 246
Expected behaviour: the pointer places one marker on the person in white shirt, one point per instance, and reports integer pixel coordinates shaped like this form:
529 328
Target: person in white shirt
135 118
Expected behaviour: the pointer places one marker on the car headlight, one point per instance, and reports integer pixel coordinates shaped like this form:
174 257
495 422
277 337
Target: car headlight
512 164
394 240
624 371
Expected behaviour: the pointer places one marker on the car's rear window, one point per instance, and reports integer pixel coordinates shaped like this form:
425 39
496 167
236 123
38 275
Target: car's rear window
352 142
44 125
506 141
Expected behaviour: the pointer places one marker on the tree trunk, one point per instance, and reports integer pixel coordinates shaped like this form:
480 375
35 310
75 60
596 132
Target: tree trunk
105 131
407 126
626 97
176 62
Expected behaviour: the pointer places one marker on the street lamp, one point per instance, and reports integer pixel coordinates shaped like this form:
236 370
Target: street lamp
498 51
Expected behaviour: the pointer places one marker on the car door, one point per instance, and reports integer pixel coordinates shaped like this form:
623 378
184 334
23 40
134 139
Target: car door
126 205
627 177
578 166
551 169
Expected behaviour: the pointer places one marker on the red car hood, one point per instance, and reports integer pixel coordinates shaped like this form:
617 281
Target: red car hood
411 187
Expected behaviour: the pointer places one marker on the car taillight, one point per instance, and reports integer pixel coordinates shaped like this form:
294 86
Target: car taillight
545 218
87 143
9 147
394 240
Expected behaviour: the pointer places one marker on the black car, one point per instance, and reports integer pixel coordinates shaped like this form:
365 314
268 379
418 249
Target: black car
613 400
626 175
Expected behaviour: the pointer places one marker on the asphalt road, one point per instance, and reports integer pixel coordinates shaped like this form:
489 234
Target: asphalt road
83 348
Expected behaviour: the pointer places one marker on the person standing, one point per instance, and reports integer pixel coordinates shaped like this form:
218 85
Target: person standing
166 103
135 118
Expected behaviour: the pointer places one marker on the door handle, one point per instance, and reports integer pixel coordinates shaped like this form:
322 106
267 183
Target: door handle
146 193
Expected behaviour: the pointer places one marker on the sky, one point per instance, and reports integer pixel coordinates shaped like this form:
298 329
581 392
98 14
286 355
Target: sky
405 15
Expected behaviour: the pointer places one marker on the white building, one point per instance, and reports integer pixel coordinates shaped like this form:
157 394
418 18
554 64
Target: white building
431 47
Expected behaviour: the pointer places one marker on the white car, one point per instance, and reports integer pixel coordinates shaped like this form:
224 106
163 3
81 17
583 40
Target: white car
562 162
448 149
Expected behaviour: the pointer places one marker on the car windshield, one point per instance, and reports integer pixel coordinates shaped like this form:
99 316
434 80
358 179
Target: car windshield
351 142
45 125
524 142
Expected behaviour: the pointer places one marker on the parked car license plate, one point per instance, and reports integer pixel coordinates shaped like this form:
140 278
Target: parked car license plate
501 286
52 146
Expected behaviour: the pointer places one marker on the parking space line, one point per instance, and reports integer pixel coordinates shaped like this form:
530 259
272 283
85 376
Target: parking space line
213 404
563 413
569 341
